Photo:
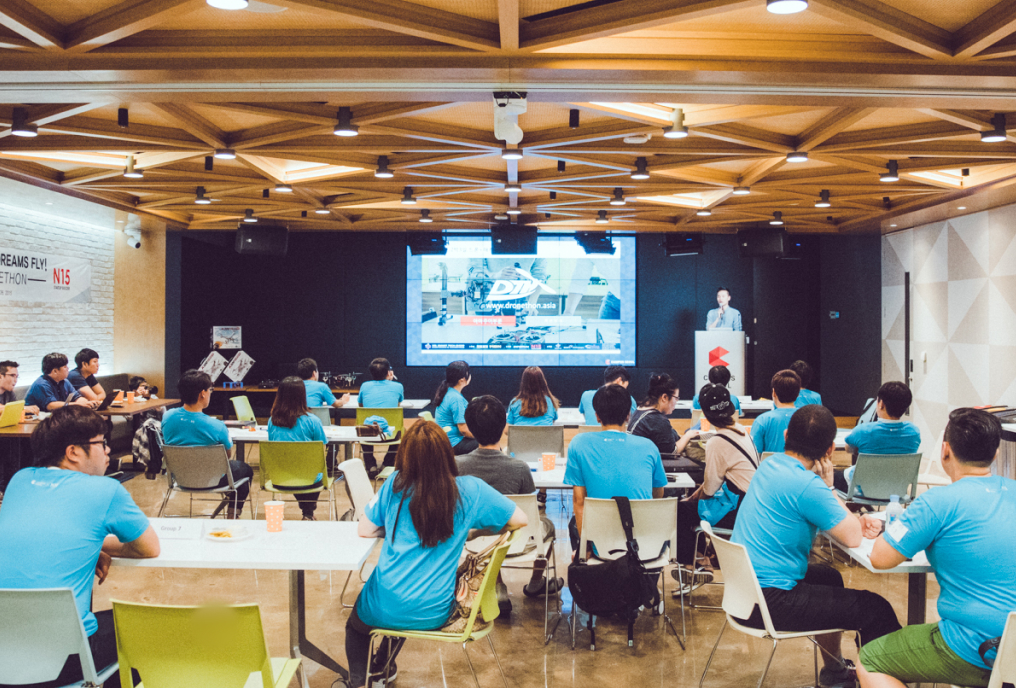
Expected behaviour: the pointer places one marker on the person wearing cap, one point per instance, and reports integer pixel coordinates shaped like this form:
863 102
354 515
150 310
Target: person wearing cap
731 461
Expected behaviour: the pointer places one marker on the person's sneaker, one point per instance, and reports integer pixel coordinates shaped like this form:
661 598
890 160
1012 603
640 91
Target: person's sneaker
690 580
504 603
542 588
378 680
844 676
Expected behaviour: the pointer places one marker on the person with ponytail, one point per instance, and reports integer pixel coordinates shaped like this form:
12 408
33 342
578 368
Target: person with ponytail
424 512
451 407
652 418
534 404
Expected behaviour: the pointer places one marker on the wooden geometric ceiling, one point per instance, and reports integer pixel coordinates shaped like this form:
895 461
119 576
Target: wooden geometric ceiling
855 84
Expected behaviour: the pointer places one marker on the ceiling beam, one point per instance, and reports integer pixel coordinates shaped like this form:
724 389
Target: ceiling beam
760 170
830 125
194 123
31 23
619 17
887 136
984 31
748 136
888 23
508 23
123 20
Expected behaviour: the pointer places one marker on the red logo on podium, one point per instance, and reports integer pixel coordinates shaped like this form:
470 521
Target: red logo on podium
716 357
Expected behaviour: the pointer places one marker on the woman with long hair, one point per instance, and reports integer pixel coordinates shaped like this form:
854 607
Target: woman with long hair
534 404
292 421
652 418
424 513
451 407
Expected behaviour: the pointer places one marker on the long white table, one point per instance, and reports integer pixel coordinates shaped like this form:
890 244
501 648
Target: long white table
554 479
415 404
301 546
241 437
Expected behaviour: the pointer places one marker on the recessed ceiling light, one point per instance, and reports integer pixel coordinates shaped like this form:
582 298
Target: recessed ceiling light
741 190
345 127
601 217
228 4
823 201
786 6
777 219
20 125
130 172
998 134
514 211
382 171
200 197
618 198
425 216
248 216
225 154
797 156
705 212
676 130
892 225
511 154
501 216
512 188
641 171
322 211
283 188
962 207
407 196
893 174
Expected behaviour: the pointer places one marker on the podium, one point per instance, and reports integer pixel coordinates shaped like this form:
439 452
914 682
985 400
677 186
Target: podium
720 347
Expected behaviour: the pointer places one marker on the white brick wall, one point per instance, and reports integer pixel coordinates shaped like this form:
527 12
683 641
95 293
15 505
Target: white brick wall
29 331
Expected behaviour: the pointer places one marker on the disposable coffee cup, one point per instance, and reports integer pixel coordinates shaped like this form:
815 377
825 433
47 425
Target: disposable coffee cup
130 397
549 461
273 515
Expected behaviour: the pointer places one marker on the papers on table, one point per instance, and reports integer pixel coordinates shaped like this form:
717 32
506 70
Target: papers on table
181 529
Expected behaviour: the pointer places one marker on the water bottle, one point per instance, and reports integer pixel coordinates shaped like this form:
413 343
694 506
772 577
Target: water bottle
893 511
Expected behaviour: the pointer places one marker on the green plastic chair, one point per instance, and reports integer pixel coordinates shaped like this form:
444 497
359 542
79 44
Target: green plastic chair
242 407
394 416
197 647
323 413
487 595
295 468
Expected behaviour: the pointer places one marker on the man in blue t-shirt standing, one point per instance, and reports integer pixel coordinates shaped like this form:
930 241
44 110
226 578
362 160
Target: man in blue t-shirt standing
790 498
190 427
613 375
62 522
889 435
611 463
318 393
768 430
966 530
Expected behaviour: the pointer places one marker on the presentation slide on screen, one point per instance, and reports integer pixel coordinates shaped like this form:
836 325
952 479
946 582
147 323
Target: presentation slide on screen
561 307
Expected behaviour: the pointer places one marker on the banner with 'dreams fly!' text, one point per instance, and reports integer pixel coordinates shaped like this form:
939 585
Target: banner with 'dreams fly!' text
44 277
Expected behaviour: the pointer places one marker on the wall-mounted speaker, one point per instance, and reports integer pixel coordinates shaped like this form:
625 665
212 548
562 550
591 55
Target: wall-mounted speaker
764 242
513 240
682 244
262 240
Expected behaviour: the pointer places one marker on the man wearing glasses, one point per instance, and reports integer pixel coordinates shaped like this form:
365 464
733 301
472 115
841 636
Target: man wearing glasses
62 522
8 381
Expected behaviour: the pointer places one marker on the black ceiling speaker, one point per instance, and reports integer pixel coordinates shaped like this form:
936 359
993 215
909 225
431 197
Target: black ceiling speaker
262 240
682 244
506 239
763 242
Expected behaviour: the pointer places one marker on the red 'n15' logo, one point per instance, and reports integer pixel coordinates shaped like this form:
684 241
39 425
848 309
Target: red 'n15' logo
61 276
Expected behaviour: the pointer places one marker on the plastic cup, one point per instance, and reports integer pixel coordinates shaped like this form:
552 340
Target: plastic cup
273 515
549 461
130 397
706 425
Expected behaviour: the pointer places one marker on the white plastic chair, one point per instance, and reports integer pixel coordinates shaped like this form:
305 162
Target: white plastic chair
529 442
360 494
39 629
1004 669
518 558
198 470
741 592
655 531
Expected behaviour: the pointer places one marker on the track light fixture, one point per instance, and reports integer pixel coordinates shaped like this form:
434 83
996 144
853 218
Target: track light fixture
322 211
823 199
797 156
601 217
248 216
514 211
20 125
200 198
209 163
382 171
641 169
893 174
998 134
303 213
777 219
573 119
407 196
225 154
511 154
129 171
283 188
618 198
228 4
553 195
512 188
265 194
560 165
704 212
741 190
425 216
786 6
676 130
345 127
122 118
547 215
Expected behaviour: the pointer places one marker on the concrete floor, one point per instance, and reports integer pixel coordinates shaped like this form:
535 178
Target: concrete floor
656 659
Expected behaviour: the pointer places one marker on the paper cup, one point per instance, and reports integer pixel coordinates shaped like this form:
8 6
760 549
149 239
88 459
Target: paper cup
273 514
706 425
130 397
549 461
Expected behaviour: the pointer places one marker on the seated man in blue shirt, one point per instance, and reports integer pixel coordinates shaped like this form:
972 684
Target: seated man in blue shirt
966 530
62 522
613 375
806 396
611 463
82 378
790 498
889 435
318 393
51 390
190 427
768 430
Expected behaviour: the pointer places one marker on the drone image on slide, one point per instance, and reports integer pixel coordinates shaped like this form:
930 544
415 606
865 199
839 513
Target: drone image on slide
504 294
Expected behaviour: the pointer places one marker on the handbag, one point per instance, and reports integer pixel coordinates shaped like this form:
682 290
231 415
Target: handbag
727 498
468 579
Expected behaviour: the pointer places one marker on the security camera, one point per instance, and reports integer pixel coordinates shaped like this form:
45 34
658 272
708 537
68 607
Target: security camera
133 236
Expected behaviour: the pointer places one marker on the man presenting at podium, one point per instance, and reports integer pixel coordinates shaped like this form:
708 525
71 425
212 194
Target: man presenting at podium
724 317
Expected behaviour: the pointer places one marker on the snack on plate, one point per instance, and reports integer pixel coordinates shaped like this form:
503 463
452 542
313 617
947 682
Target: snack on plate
221 533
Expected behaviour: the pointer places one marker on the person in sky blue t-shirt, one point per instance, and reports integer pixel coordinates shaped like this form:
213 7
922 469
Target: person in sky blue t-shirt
789 499
806 396
190 427
318 393
451 407
611 463
82 378
534 404
413 585
888 435
292 421
767 430
718 375
613 375
51 390
62 522
381 391
966 530
723 317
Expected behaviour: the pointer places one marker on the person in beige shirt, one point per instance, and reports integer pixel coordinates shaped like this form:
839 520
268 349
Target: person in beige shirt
731 460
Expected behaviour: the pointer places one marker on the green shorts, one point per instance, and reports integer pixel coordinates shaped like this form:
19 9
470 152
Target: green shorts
919 654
